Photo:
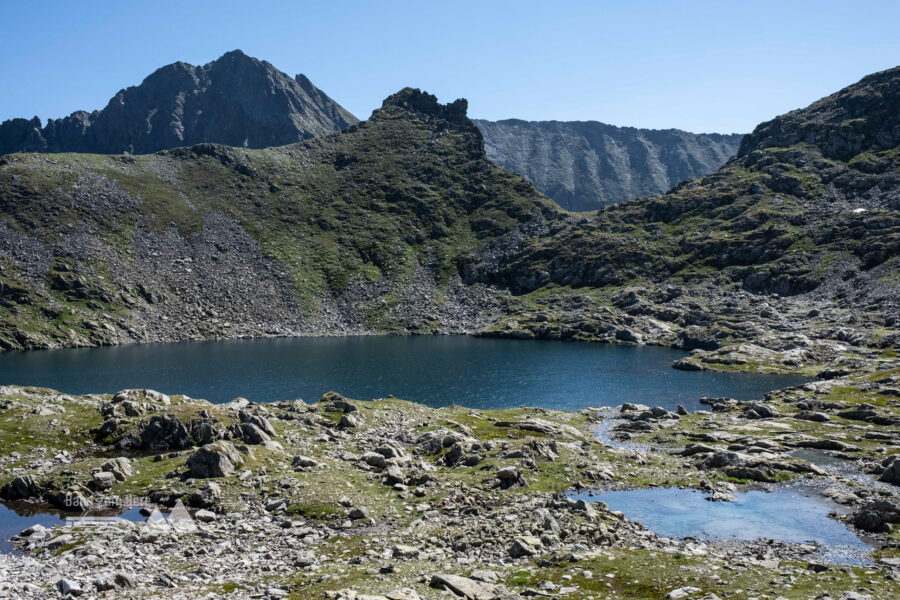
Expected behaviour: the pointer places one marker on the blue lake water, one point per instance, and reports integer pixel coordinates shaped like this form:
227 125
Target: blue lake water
786 515
17 517
434 370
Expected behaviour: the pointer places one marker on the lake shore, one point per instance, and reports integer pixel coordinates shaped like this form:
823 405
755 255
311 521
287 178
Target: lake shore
341 498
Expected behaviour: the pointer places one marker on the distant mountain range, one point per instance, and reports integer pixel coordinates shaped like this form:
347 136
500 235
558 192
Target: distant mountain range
241 101
401 224
236 100
584 165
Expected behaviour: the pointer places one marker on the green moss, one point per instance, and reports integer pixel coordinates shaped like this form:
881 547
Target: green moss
314 510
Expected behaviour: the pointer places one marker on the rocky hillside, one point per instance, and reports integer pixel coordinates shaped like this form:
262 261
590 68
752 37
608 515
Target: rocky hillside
392 500
235 100
799 235
784 259
360 231
584 165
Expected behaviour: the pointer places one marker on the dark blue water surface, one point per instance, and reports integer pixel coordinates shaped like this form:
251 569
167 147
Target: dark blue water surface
437 371
786 515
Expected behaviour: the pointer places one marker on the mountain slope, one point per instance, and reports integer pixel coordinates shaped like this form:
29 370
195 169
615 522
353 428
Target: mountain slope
359 231
784 259
796 238
585 165
235 100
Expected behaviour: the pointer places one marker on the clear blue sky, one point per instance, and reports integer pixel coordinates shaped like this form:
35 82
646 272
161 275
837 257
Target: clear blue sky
698 65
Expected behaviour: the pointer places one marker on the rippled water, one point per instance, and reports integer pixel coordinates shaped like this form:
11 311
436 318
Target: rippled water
439 370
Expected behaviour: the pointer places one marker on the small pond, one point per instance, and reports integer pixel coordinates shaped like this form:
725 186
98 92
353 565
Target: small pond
786 515
15 517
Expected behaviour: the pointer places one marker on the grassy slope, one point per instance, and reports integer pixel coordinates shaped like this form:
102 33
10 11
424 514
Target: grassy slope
400 190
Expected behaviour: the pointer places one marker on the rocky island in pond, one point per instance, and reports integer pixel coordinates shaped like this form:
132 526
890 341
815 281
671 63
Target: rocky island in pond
288 217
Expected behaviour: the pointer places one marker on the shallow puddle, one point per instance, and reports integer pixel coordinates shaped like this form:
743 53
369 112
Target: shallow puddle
790 516
18 516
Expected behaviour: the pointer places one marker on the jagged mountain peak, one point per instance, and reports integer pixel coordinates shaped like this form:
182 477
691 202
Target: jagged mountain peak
236 100
860 117
416 100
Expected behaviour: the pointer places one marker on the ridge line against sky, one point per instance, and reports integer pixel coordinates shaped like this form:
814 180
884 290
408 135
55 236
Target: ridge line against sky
697 65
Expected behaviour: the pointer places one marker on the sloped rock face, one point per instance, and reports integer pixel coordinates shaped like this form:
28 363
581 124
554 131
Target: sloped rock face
235 100
793 215
585 165
862 117
216 241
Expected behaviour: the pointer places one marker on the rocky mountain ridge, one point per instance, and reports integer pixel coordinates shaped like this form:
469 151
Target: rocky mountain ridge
784 259
235 100
807 234
356 232
585 165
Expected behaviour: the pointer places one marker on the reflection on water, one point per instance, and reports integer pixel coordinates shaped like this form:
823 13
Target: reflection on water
784 515
15 517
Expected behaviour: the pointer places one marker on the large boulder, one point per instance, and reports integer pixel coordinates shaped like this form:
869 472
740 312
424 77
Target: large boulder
214 460
119 467
334 401
204 431
20 488
249 433
163 432
350 420
102 480
760 411
261 422
876 515
205 497
525 545
463 587
891 472
721 459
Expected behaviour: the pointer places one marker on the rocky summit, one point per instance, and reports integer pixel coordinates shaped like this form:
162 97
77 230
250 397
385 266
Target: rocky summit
585 165
235 100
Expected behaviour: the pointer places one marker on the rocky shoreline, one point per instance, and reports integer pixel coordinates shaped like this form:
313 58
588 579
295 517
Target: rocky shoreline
345 499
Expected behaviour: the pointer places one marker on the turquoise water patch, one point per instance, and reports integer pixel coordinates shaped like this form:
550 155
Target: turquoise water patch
786 515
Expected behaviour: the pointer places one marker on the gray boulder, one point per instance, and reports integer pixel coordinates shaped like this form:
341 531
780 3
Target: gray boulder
463 587
891 472
164 432
119 467
20 488
214 460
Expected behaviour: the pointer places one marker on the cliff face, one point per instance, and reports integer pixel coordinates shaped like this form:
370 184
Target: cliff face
235 100
585 165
